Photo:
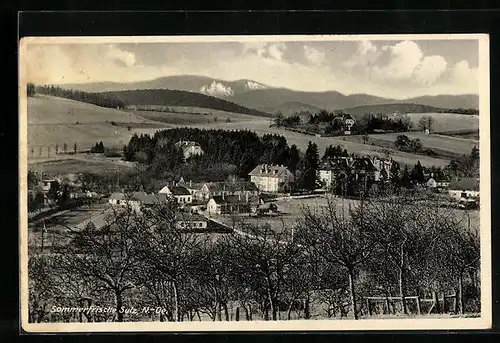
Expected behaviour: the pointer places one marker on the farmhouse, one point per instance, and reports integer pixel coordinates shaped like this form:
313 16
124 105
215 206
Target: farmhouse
346 121
437 183
222 204
464 189
270 178
189 148
181 194
136 200
194 222
47 184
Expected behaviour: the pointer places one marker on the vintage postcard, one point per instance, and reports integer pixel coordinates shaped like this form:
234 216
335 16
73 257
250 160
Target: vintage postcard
255 183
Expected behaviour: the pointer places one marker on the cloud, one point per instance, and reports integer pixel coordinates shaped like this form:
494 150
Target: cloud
430 69
405 62
276 51
265 50
126 58
254 47
403 58
366 54
462 72
313 55
217 89
387 69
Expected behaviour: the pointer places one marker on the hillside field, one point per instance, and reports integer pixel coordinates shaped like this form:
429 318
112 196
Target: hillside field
447 121
446 144
55 121
190 115
261 127
80 163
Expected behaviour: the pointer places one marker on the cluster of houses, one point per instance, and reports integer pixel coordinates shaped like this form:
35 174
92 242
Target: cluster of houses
74 187
374 169
213 198
244 197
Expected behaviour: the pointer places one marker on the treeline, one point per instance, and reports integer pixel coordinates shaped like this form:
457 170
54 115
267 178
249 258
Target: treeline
371 123
469 111
105 99
98 148
326 267
334 122
167 97
242 149
465 165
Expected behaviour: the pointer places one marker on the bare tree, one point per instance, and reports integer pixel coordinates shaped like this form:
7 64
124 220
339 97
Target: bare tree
458 252
405 229
337 238
425 123
265 255
167 250
107 254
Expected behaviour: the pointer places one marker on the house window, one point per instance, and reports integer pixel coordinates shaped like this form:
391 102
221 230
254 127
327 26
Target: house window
464 195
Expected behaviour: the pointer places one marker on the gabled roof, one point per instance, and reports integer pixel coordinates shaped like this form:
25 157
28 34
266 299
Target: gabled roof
234 199
269 170
364 163
117 196
191 217
334 164
232 186
343 116
186 144
142 197
179 190
465 184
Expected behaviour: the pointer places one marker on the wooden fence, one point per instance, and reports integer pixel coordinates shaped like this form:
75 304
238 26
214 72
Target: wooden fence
414 304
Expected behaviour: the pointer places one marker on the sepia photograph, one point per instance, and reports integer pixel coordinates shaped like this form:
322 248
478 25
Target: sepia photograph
252 183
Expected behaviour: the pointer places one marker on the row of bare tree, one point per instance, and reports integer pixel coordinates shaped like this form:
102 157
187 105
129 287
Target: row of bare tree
145 268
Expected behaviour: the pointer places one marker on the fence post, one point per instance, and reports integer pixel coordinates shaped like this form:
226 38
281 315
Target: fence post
388 305
419 311
368 306
444 309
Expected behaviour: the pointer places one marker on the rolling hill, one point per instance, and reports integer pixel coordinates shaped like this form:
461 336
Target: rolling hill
392 108
166 97
57 121
190 83
253 94
290 108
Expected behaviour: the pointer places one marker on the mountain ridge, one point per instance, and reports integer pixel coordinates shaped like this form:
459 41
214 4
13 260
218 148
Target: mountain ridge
254 94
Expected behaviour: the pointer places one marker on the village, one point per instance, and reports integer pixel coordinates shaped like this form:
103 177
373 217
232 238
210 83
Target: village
265 192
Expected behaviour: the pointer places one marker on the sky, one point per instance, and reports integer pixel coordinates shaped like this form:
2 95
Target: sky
397 68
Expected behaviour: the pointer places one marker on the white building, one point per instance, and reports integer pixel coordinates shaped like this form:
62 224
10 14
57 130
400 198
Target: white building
464 189
270 178
181 194
188 221
136 200
189 148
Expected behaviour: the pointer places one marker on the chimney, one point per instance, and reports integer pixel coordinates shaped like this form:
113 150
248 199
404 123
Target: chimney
190 183
246 196
223 195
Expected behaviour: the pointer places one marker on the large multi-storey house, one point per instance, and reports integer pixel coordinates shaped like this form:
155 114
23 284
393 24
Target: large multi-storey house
189 148
271 178
360 168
